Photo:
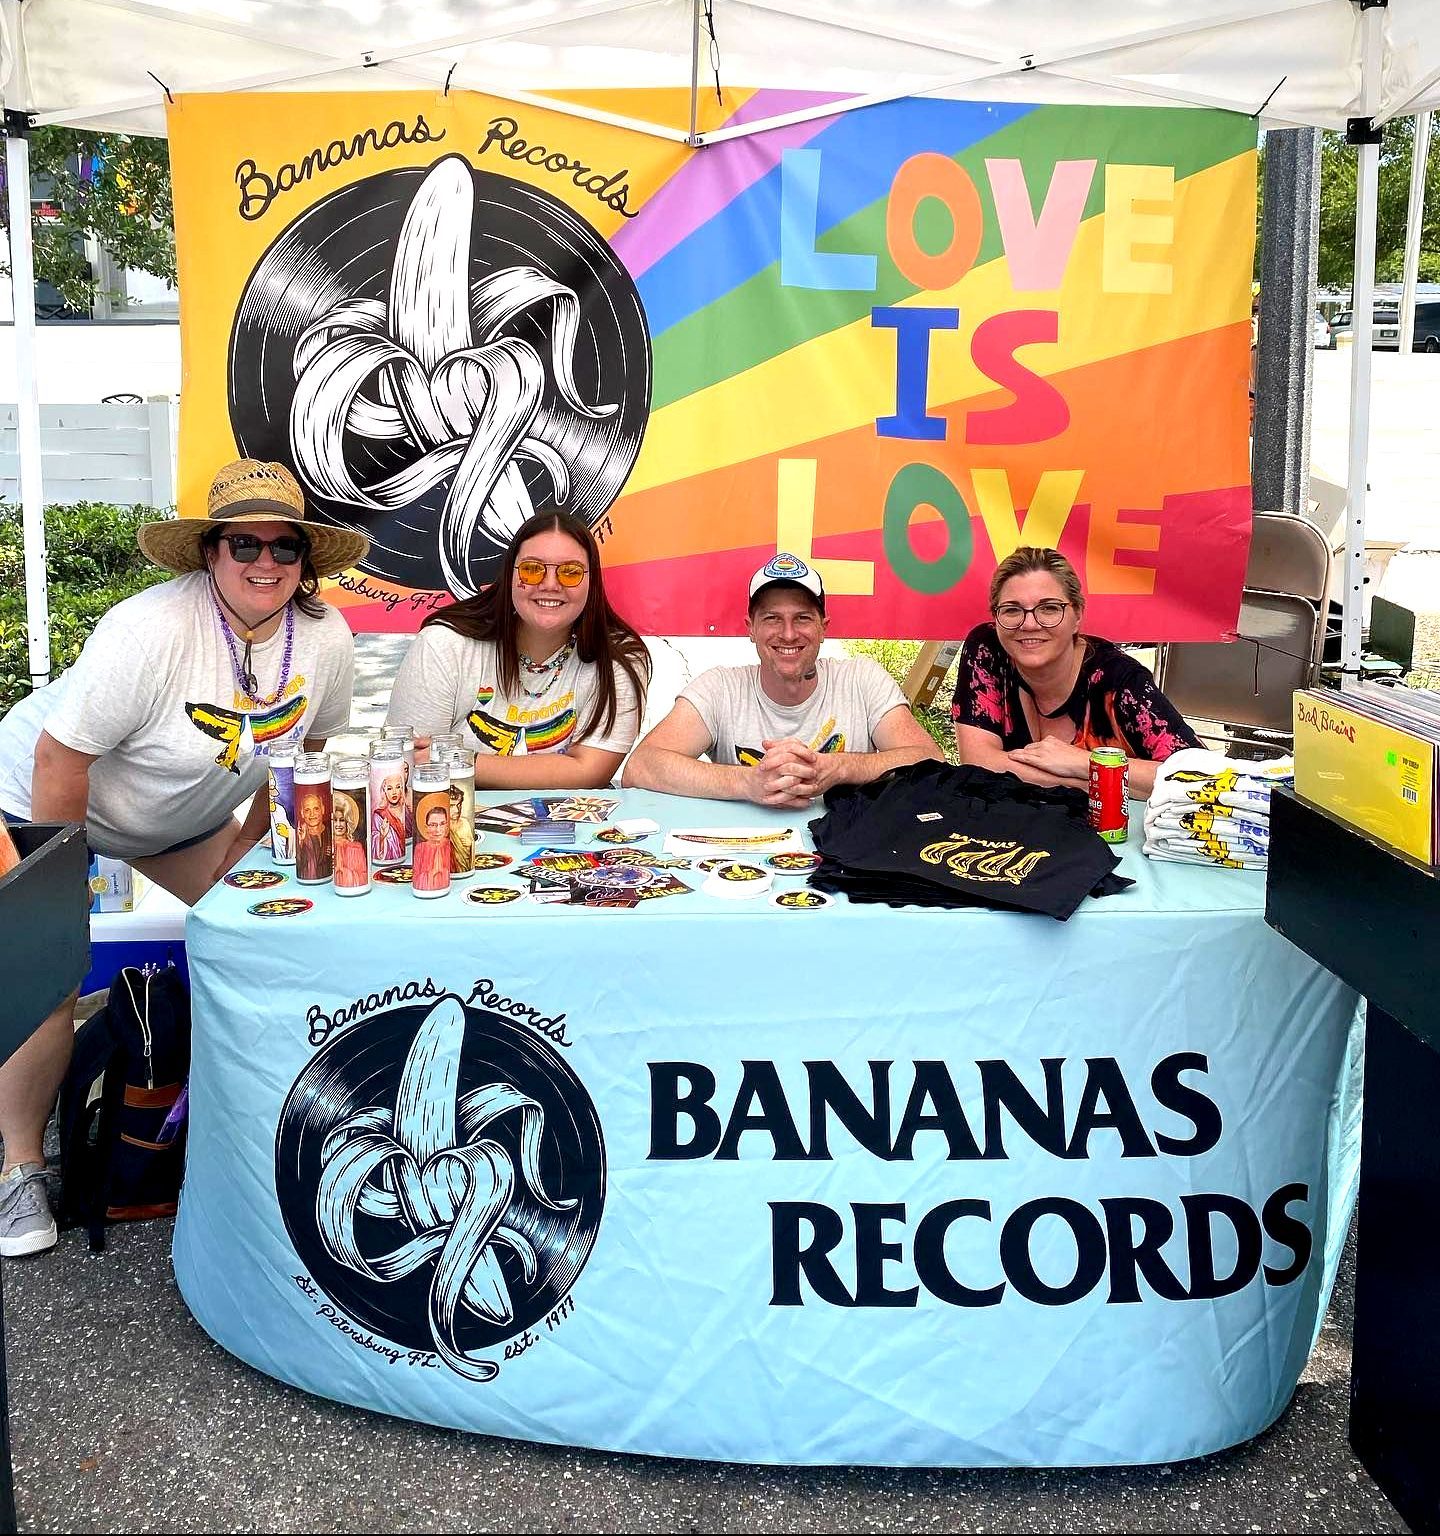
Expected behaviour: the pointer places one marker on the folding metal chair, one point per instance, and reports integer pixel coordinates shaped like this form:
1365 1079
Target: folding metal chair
1244 686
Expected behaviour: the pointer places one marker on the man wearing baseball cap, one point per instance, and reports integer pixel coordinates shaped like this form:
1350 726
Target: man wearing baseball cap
783 731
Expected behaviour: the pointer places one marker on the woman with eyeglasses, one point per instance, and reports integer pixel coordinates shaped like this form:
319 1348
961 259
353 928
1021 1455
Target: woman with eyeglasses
538 670
1034 695
161 730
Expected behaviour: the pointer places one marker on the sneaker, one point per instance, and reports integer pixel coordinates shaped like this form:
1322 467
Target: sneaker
26 1225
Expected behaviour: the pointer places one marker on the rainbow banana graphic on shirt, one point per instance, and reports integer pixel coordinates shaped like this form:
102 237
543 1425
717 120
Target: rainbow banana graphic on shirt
826 739
238 731
491 733
502 738
549 736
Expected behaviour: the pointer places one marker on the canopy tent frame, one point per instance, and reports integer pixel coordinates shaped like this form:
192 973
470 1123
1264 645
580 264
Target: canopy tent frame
994 65
1365 133
404 62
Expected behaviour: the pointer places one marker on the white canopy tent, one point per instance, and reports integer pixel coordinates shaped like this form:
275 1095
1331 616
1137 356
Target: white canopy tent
1292 63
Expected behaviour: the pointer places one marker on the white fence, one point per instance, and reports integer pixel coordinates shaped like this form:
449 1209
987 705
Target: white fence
119 453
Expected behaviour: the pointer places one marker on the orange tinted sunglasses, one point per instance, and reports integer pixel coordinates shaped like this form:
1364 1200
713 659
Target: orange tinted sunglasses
569 573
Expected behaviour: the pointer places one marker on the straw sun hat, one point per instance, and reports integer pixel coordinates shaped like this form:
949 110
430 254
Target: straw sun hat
248 491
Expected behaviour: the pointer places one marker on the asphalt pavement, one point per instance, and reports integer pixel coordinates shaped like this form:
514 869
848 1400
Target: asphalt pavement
126 1417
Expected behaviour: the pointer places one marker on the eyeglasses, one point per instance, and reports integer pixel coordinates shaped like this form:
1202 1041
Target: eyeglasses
569 573
1047 614
245 548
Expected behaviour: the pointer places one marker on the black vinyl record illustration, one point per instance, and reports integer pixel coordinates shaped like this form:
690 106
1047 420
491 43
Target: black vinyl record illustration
441 1173
437 353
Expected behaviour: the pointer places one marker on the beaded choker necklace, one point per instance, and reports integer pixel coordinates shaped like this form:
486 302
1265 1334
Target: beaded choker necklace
242 666
546 670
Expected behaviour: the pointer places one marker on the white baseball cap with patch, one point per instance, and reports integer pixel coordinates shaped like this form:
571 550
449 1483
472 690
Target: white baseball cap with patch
792 569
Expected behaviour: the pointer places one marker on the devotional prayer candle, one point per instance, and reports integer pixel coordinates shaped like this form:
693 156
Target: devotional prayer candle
314 846
431 863
462 812
392 822
405 736
282 805
350 824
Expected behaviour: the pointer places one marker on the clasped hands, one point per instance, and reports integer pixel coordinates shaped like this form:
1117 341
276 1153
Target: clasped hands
1060 759
790 774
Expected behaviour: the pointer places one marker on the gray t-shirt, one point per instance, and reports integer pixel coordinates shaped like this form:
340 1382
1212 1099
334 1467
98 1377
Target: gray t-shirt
153 698
448 682
851 698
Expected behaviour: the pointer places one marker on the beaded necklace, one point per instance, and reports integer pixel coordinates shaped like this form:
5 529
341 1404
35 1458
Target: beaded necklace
242 667
549 670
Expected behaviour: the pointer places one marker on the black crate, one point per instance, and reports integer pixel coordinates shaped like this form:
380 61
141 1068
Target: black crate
44 928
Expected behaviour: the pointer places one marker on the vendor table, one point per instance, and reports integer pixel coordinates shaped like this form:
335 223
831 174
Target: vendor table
718 1179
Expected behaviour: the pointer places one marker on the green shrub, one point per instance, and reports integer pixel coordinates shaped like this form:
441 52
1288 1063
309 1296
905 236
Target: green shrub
92 562
897 657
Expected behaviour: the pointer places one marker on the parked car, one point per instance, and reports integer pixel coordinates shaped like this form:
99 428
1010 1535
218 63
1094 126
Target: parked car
1427 325
1385 336
1323 338
1387 326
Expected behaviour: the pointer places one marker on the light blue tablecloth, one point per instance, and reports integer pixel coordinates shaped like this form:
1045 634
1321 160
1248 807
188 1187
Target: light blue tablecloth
712 1179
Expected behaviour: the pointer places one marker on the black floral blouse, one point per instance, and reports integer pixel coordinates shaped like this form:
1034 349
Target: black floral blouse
1115 702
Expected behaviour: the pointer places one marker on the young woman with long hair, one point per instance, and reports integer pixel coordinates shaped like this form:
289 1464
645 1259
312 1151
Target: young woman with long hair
538 671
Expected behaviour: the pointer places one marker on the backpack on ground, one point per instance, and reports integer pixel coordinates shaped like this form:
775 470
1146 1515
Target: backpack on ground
123 1102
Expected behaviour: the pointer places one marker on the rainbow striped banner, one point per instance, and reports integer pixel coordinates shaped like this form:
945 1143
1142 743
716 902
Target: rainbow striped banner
897 341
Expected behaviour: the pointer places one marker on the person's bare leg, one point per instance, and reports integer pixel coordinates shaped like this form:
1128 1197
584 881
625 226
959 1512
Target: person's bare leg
29 1082
190 872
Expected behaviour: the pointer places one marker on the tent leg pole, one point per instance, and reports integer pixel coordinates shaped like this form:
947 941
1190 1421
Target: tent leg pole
27 423
1414 219
695 71
1285 364
1367 186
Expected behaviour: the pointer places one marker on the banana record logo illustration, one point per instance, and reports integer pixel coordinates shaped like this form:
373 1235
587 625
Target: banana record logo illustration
441 1175
238 731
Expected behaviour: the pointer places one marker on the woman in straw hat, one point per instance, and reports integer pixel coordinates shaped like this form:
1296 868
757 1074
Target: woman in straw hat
162 729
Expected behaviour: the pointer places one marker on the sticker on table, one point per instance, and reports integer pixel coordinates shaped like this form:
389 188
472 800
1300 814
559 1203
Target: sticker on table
254 879
793 863
663 883
645 858
493 895
620 877
281 906
709 866
617 835
801 901
559 861
396 874
747 842
491 861
733 873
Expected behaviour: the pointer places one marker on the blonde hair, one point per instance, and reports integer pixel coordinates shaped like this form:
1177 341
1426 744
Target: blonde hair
1030 557
349 811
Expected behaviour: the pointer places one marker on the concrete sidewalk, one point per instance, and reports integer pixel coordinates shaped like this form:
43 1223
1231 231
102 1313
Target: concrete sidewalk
126 1417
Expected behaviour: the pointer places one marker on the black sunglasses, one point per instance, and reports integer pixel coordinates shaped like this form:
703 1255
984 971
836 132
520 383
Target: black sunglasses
245 548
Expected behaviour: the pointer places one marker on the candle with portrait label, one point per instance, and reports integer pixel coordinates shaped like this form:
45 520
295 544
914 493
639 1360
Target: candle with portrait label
282 805
462 812
350 825
391 820
314 847
405 736
431 863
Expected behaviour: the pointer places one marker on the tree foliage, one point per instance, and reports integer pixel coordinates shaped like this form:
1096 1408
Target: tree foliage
1338 166
102 186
